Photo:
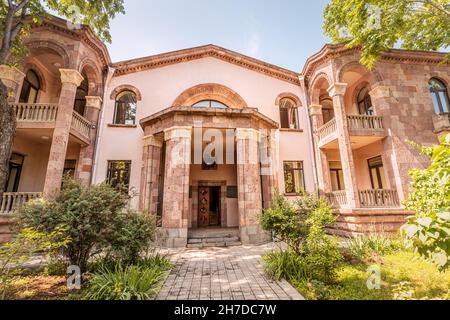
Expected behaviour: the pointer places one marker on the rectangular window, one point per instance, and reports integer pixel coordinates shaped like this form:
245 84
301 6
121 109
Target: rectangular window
376 171
15 170
294 178
69 168
337 176
119 173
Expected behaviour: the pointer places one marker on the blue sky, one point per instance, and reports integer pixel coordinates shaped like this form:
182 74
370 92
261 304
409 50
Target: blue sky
283 32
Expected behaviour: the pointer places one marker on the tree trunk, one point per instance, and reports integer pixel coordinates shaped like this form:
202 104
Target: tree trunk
7 131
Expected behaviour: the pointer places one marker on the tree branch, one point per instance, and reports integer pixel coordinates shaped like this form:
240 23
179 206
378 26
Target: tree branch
435 6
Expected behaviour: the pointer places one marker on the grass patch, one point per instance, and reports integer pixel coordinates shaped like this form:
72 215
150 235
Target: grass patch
404 275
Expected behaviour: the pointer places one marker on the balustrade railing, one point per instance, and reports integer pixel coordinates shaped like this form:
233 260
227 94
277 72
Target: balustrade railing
337 199
80 124
11 201
379 198
35 112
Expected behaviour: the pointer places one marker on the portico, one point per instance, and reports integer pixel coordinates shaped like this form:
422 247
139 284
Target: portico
207 167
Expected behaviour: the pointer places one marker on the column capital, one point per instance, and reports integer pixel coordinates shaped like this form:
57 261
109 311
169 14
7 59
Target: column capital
94 102
177 132
71 76
11 73
315 110
337 89
247 134
152 141
380 91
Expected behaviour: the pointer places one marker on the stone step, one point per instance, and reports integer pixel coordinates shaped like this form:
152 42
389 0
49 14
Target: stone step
213 233
206 240
221 244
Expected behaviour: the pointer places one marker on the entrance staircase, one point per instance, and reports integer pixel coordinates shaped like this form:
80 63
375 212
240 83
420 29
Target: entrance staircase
213 237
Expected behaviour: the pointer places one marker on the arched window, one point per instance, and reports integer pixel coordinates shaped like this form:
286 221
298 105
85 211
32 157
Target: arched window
125 110
327 109
439 95
365 106
209 104
80 98
30 88
288 114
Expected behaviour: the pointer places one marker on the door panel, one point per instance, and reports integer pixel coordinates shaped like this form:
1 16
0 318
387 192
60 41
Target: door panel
203 207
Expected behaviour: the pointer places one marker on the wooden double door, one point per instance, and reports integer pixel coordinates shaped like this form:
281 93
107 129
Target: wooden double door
209 207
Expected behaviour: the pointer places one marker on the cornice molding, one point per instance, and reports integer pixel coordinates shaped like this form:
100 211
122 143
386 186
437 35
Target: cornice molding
170 58
84 34
332 51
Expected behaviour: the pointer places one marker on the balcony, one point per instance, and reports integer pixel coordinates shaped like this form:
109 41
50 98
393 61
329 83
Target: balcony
441 123
43 116
379 199
11 201
363 130
368 199
337 199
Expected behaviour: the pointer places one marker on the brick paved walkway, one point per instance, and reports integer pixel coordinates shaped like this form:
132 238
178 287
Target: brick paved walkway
223 274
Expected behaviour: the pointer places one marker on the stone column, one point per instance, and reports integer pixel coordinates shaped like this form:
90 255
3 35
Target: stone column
323 167
269 167
70 80
86 158
12 78
249 187
175 215
393 145
337 92
150 174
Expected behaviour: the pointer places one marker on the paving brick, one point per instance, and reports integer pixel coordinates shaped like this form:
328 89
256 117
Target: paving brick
223 274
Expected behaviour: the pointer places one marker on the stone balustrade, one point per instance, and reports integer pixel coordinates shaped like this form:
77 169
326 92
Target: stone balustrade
441 122
337 199
11 201
81 125
359 125
35 112
47 112
362 122
327 129
379 198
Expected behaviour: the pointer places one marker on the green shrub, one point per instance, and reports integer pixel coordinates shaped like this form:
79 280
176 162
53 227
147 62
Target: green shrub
285 264
16 254
133 236
362 247
302 226
126 283
429 231
293 222
96 220
284 221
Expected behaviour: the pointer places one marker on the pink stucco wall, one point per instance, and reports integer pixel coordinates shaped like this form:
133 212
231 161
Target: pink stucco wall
160 87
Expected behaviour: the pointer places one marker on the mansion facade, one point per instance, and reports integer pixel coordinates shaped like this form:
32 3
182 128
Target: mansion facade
203 137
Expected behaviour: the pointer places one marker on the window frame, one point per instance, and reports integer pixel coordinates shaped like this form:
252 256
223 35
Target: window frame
288 115
338 172
286 171
28 85
435 96
210 101
378 169
18 176
363 102
110 170
116 111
